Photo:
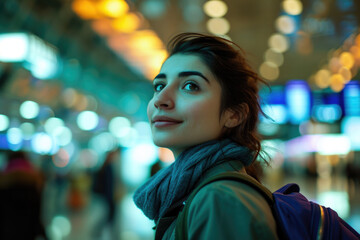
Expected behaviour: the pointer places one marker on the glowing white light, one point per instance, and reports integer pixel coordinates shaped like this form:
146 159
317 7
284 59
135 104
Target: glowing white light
52 124
129 140
278 42
144 131
40 57
350 126
339 201
13 47
334 144
119 126
285 24
42 143
63 135
292 7
44 68
63 224
27 130
215 8
14 136
4 122
219 26
87 120
103 142
29 109
144 154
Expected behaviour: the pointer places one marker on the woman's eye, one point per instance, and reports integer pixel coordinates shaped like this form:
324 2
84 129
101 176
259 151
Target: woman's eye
191 87
158 87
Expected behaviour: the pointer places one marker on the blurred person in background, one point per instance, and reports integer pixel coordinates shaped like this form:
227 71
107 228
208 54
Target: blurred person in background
205 109
21 186
109 189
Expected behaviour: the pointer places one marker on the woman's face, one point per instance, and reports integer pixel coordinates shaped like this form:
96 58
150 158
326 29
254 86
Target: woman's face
185 108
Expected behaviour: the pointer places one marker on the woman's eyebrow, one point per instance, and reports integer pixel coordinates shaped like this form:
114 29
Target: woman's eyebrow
190 73
160 75
185 74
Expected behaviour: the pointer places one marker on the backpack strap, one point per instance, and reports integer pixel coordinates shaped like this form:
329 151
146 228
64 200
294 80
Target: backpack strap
181 231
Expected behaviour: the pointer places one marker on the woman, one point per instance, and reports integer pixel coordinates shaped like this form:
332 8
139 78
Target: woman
205 110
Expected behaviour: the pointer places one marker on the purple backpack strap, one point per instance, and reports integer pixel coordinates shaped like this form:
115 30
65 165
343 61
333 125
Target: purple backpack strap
300 218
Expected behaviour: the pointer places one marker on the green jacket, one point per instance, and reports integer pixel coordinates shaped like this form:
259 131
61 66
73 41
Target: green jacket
227 209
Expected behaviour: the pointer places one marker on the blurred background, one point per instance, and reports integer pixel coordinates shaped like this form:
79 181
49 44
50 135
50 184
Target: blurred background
75 79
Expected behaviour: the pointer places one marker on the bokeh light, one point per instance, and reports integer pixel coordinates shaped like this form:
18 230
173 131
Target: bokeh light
14 136
86 9
119 126
346 73
347 60
337 82
219 26
4 122
127 23
278 43
322 78
292 7
27 129
42 143
61 158
285 24
269 71
63 135
62 225
52 124
215 8
275 57
29 109
113 8
87 120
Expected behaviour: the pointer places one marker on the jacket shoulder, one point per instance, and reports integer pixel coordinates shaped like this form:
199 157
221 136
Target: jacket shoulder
225 209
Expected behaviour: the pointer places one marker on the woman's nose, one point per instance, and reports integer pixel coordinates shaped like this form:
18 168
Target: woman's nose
164 100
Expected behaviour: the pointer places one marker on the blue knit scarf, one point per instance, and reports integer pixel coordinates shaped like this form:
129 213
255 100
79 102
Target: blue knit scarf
175 182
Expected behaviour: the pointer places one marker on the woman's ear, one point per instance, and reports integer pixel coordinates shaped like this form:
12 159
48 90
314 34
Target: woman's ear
235 116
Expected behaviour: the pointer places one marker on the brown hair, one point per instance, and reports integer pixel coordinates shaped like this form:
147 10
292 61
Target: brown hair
238 81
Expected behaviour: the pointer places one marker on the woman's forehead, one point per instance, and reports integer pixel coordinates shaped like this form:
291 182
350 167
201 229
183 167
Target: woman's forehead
181 62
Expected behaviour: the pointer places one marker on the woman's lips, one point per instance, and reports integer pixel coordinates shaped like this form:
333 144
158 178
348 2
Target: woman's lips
165 123
162 121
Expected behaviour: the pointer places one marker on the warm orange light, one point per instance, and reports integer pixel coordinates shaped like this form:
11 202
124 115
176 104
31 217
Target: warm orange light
127 23
155 62
357 40
113 8
337 82
145 40
334 64
85 9
347 60
346 73
322 78
142 49
355 51
102 27
166 155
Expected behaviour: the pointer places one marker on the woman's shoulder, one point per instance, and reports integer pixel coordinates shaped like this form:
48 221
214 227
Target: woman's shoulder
232 207
230 192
